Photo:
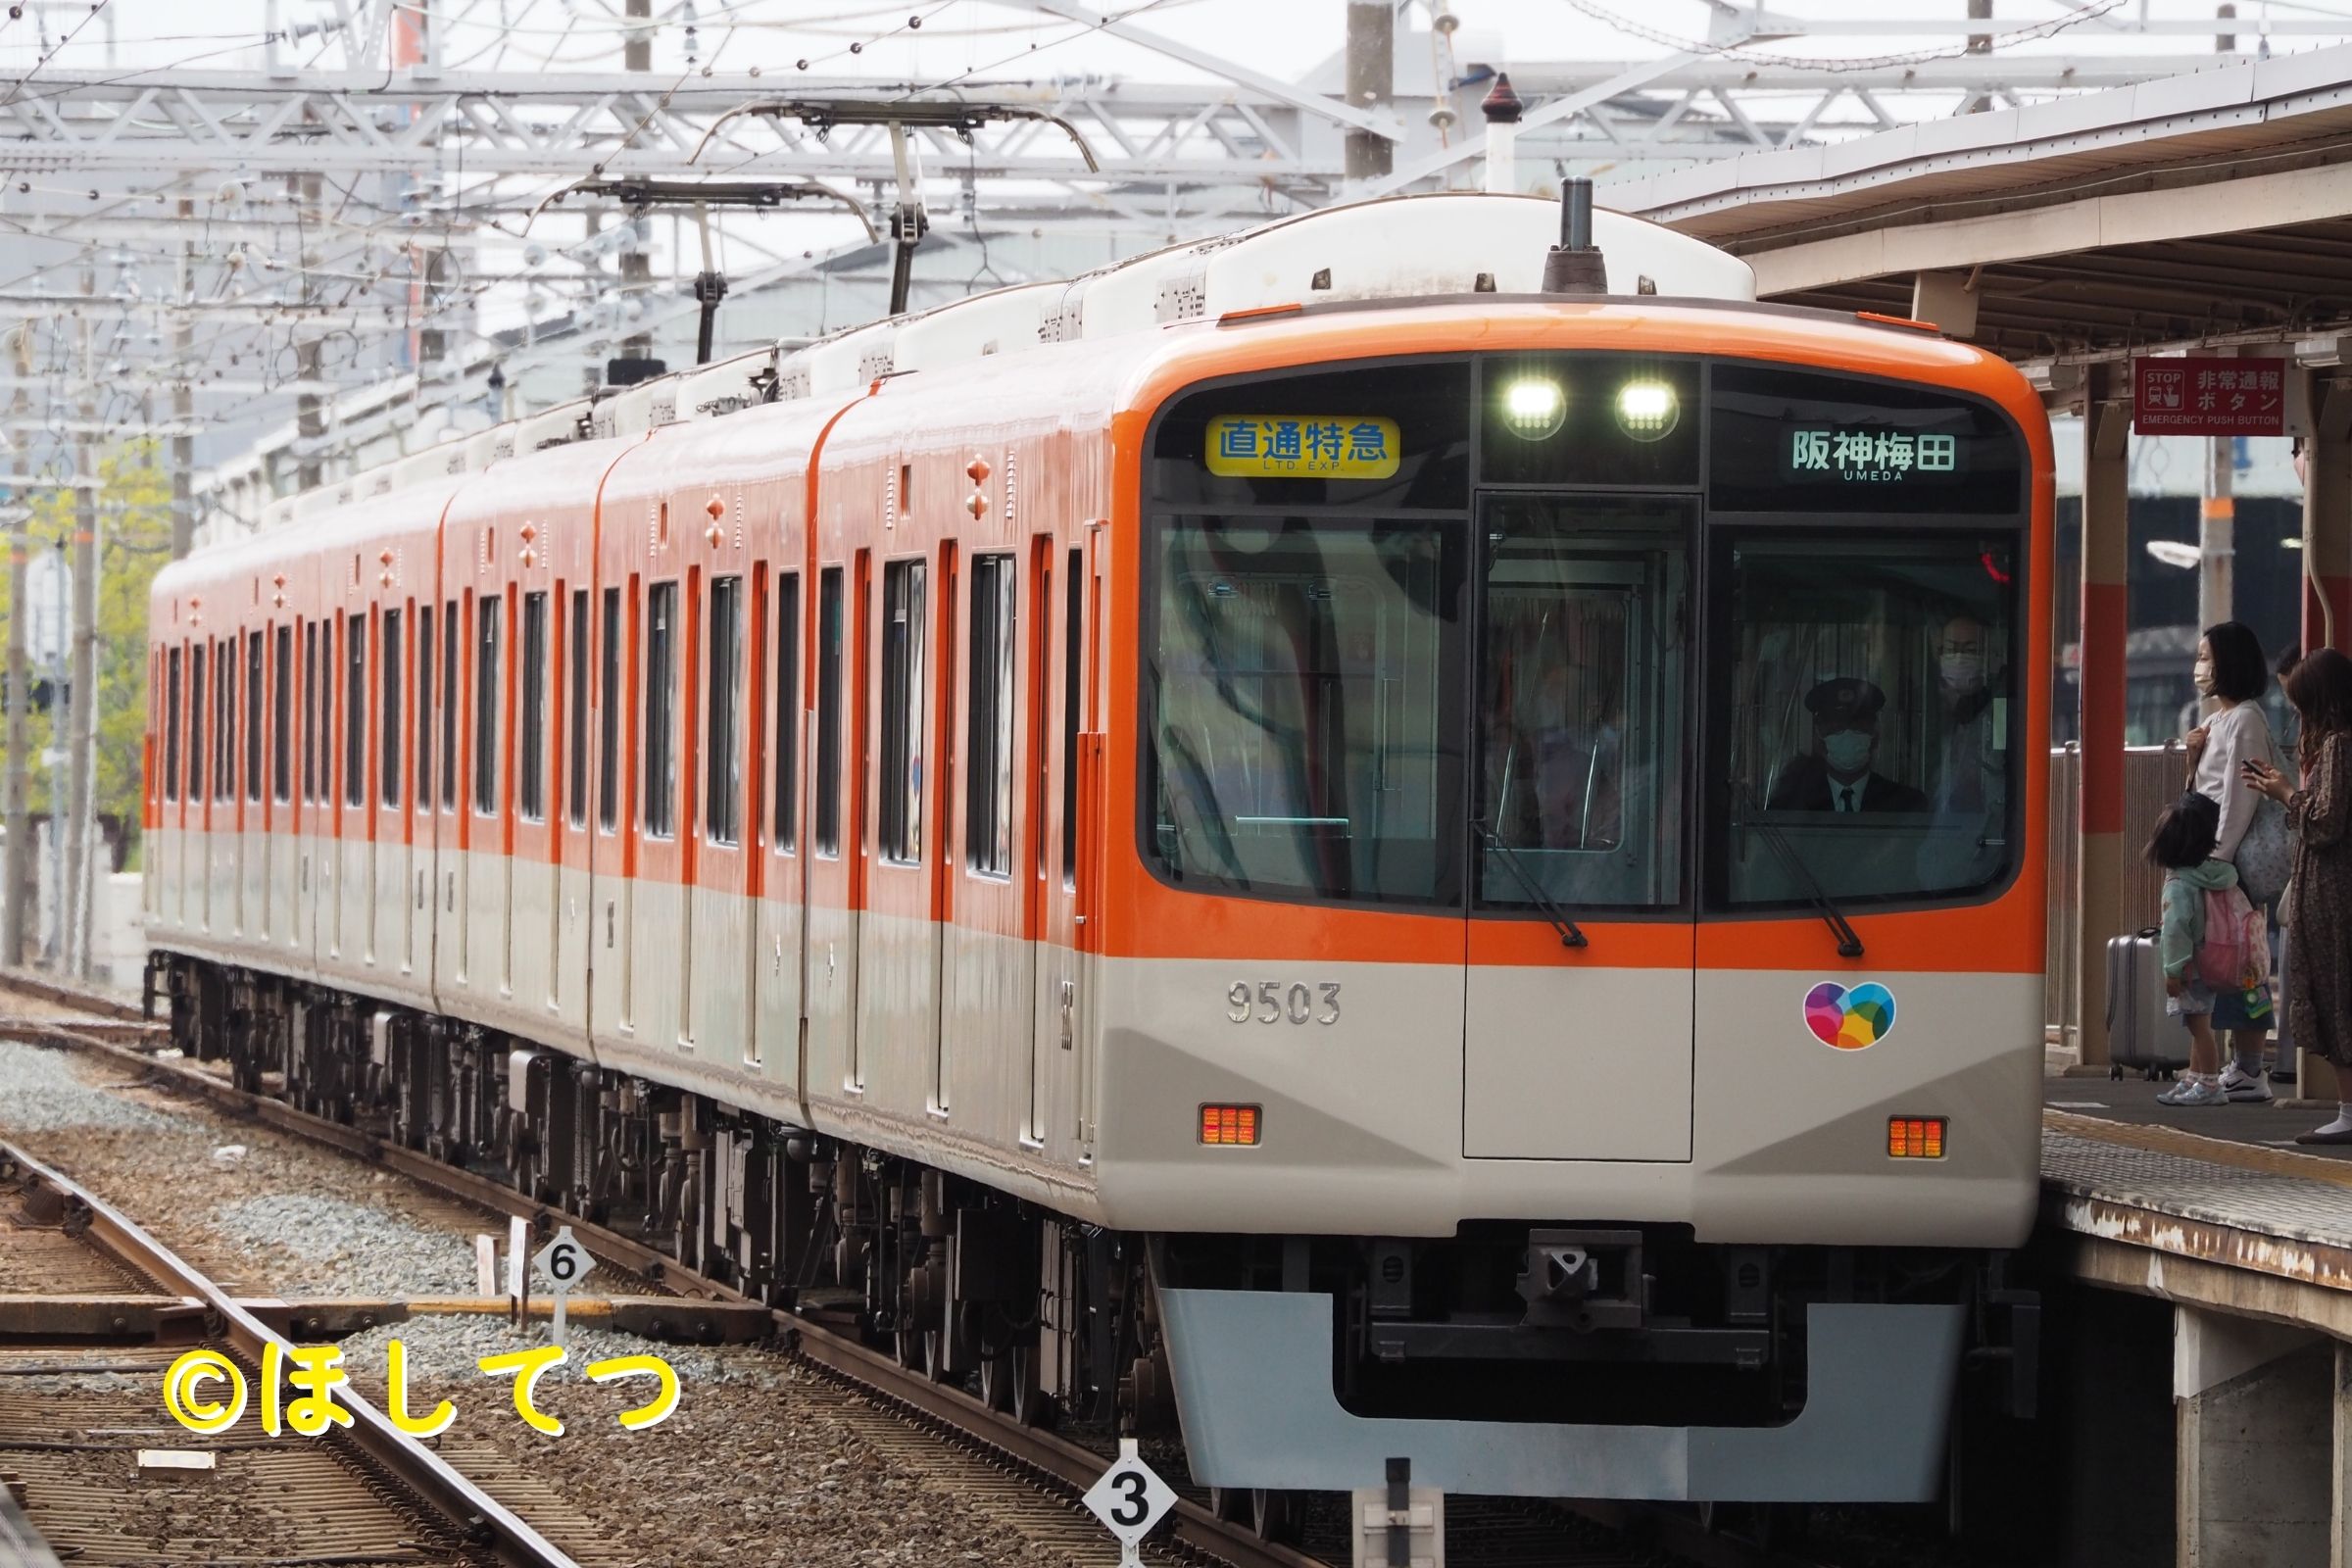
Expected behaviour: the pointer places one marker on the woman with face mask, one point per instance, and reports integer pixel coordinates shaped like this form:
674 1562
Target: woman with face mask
2231 674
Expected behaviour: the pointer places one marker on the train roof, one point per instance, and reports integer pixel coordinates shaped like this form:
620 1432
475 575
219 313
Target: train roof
1394 249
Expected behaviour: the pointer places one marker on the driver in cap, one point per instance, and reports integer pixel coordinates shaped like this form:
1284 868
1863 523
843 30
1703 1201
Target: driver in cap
1837 774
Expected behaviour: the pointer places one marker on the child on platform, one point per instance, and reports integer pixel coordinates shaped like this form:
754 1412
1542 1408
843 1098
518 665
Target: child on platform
2184 845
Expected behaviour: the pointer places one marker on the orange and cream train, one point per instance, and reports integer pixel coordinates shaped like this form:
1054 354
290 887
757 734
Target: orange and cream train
1295 834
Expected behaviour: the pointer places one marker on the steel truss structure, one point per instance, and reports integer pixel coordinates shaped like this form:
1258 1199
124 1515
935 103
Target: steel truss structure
371 204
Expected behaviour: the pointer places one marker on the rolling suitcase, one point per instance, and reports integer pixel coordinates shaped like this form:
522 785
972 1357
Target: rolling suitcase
2138 1034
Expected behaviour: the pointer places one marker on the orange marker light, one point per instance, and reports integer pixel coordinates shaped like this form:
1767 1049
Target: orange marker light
1229 1124
1915 1137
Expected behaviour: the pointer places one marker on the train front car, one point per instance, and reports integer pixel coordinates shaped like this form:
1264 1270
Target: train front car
1572 1006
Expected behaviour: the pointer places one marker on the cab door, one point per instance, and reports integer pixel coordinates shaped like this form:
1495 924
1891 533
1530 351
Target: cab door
1578 1014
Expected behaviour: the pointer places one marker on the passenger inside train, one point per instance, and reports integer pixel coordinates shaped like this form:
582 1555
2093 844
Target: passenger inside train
1870 715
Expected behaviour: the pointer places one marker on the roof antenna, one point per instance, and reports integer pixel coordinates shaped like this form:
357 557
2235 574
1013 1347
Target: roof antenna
1574 266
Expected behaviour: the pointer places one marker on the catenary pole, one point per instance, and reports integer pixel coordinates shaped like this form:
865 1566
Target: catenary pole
17 863
1371 83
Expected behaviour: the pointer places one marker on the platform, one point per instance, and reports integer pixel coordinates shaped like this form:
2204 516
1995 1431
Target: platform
2248 1237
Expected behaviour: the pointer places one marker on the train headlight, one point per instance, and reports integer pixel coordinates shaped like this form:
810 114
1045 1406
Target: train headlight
1534 408
1647 411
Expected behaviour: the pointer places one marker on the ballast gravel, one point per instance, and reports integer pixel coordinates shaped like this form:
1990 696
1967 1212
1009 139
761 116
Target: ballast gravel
755 1466
763 1462
44 1091
284 1219
322 1246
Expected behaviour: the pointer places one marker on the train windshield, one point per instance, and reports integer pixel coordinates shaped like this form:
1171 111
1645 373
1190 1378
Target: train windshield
1865 714
1583 662
1419 634
1307 740
1863 718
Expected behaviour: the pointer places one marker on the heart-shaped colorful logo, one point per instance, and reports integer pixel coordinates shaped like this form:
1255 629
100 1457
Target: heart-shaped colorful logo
1850 1020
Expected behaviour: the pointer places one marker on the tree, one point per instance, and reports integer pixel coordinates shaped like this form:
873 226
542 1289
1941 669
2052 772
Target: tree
134 530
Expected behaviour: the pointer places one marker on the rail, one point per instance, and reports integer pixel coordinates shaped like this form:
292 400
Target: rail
477 1517
1192 1532
1038 1454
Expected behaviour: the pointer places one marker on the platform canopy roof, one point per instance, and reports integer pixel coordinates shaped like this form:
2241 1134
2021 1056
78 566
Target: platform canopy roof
2213 208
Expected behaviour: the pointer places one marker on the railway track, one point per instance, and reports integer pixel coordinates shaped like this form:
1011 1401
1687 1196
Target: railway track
78 1421
901 1412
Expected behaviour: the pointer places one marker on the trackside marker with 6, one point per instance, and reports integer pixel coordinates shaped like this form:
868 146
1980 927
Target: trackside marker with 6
565 1263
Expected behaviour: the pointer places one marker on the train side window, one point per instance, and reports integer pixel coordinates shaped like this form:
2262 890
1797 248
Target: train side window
253 715
1073 688
196 722
449 705
485 706
310 713
607 722
327 711
988 743
902 707
172 724
576 718
355 710
225 721
393 674
723 758
661 784
788 709
281 719
829 711
530 729
425 706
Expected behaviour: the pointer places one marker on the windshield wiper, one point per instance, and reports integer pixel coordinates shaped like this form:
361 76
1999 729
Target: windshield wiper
1570 936
1849 945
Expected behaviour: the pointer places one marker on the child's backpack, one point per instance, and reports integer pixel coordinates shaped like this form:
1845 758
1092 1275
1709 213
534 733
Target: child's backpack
2235 953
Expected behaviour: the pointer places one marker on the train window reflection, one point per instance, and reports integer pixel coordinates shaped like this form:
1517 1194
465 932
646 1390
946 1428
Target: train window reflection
196 722
1583 649
172 725
1865 708
1300 740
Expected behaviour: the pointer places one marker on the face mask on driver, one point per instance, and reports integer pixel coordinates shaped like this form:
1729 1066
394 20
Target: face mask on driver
1847 751
2202 673
1962 673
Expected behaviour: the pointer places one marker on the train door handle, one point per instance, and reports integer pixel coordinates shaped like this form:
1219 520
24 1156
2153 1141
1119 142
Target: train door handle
1069 1012
420 890
779 967
449 890
607 922
306 873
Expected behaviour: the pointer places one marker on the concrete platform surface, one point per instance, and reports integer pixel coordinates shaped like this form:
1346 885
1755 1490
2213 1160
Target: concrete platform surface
2132 1101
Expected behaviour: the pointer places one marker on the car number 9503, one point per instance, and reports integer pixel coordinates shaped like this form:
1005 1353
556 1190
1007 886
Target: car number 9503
1272 1001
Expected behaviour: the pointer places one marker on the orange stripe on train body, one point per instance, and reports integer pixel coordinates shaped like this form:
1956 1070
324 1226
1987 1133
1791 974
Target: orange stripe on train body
1143 917
1147 918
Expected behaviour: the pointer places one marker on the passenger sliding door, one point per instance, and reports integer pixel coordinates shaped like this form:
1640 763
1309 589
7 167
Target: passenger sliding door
781 907
1581 690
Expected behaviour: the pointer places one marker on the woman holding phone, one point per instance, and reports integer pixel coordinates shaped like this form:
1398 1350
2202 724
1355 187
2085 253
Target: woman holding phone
2317 906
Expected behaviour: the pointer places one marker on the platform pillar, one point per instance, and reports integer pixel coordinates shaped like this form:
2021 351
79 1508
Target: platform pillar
2106 615
2339 1469
2327 516
2258 1409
